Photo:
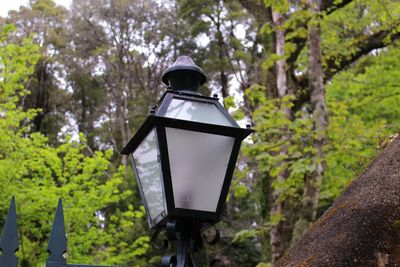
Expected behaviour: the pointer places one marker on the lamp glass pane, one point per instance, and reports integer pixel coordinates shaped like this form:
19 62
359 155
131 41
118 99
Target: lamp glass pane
196 111
148 169
198 163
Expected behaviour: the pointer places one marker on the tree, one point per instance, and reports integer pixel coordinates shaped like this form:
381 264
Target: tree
312 56
126 43
317 79
46 23
37 174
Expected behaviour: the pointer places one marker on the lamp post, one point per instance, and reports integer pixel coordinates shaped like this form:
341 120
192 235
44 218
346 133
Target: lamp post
184 156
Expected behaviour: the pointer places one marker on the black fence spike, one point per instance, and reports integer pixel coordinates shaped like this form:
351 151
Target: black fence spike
9 238
58 240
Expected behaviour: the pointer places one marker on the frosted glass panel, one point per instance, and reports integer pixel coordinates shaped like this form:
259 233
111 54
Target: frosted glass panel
198 164
196 111
149 172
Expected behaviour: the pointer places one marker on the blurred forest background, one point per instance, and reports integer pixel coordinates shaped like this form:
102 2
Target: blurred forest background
318 80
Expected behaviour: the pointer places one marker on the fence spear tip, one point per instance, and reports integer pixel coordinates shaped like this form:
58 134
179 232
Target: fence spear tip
9 238
58 241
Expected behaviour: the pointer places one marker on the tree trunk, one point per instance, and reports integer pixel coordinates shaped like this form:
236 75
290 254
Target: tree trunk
277 206
122 125
222 75
320 115
362 227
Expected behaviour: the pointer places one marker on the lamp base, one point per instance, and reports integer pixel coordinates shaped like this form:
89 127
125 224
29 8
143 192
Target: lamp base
187 235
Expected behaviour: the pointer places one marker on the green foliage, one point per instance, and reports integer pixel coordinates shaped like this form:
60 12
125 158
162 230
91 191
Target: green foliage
343 30
49 34
364 109
278 5
111 57
243 235
38 174
275 132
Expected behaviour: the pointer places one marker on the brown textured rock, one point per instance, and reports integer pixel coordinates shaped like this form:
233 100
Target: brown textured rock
362 227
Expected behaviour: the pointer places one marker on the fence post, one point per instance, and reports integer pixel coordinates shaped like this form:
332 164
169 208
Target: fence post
58 241
9 238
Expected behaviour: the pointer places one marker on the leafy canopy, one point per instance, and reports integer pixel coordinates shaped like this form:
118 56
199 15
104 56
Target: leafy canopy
38 174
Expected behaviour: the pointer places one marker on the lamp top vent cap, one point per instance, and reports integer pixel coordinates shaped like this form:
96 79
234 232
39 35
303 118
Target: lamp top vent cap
181 69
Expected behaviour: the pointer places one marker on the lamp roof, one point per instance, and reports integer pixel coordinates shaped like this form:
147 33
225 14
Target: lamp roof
184 74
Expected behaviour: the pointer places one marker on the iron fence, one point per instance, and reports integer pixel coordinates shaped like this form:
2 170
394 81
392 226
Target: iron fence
57 245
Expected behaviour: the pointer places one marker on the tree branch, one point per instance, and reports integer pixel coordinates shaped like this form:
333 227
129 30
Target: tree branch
331 6
328 6
364 46
258 9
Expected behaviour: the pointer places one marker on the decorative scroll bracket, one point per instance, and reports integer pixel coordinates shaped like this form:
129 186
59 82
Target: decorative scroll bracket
189 240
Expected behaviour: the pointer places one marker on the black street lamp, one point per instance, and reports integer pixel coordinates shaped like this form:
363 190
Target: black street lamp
184 157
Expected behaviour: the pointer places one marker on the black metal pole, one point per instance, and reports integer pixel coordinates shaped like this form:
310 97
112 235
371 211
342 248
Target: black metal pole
183 256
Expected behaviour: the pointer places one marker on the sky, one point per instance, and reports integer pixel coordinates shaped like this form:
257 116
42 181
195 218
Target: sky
7 5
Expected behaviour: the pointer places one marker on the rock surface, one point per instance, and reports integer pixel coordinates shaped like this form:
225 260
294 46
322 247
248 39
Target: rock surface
362 227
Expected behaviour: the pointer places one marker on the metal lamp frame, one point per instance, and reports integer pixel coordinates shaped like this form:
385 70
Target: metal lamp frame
157 120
